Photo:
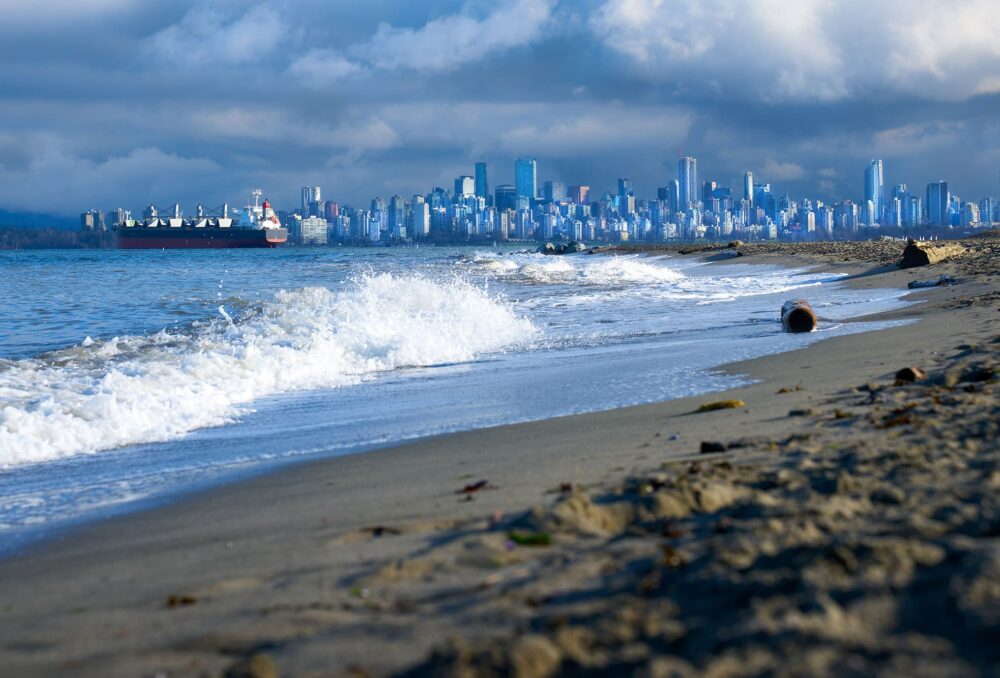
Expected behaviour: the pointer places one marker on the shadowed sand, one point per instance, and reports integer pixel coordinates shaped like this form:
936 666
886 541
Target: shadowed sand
849 526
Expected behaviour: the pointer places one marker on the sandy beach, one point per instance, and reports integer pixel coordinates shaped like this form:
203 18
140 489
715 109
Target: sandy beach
837 521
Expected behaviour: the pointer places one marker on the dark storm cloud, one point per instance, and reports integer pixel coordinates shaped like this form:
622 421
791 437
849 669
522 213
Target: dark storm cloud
123 102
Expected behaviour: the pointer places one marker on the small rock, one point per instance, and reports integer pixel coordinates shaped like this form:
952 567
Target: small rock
908 375
256 666
534 656
711 447
888 495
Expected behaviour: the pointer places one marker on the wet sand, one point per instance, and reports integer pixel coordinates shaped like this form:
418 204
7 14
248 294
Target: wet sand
849 525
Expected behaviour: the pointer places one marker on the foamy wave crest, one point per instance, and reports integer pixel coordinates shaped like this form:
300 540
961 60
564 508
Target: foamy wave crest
153 388
585 270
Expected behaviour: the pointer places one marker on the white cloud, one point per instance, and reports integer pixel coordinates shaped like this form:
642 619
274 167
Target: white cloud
322 67
450 42
358 134
571 132
144 174
825 50
443 44
775 170
207 37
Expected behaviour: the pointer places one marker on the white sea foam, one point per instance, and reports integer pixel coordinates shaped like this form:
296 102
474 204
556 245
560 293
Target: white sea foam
153 388
579 269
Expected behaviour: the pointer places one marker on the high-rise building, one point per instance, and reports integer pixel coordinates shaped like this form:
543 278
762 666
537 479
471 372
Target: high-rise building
938 204
331 210
554 191
624 187
482 183
687 180
526 178
579 194
505 197
92 220
311 196
708 192
313 231
669 194
987 210
420 217
397 216
464 186
748 187
875 188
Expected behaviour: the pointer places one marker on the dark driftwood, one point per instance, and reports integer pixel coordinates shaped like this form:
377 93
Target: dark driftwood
927 253
797 316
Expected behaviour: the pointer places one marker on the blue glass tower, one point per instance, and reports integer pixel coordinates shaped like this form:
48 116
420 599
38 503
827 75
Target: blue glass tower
687 180
526 178
482 185
875 187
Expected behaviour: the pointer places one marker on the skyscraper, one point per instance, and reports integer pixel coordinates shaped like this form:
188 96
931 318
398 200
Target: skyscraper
624 187
874 188
579 194
310 196
505 198
687 180
526 178
748 187
464 186
482 185
555 191
708 192
938 203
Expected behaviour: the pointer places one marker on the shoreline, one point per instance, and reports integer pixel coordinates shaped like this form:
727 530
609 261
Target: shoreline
315 528
25 540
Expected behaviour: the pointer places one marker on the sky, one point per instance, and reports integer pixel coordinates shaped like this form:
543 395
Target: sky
107 103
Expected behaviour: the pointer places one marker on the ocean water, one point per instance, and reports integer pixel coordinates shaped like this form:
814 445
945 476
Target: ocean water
129 377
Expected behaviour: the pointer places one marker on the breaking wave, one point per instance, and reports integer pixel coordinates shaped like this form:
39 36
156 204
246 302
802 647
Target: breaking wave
138 389
579 269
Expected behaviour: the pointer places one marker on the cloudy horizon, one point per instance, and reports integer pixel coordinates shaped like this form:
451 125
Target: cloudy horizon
122 102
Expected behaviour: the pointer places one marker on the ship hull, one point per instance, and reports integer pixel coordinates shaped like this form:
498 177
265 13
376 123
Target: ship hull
142 238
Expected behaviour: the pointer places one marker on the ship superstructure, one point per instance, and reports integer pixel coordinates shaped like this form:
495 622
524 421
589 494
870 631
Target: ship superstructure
256 225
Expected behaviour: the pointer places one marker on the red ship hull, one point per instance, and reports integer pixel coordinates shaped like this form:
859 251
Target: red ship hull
144 238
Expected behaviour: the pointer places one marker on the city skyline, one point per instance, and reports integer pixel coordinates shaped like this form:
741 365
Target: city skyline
386 98
683 209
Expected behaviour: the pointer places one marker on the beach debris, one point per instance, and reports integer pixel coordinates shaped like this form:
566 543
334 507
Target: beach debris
735 244
477 486
789 389
382 531
798 316
941 281
926 253
565 487
711 447
526 538
181 600
258 665
805 412
722 405
908 375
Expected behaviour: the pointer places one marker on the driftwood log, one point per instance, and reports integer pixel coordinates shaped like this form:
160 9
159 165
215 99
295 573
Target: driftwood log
798 316
926 253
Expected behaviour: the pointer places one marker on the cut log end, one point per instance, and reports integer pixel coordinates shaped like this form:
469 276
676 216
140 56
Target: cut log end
798 316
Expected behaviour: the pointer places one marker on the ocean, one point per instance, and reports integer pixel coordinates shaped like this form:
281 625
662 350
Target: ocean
130 378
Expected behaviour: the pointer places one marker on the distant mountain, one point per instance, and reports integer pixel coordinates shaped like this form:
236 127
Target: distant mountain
38 220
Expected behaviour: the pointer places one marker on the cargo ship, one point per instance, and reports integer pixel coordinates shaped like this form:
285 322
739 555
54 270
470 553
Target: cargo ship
256 225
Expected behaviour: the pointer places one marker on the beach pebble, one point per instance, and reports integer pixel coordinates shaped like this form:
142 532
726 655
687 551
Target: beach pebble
908 375
534 656
256 666
710 447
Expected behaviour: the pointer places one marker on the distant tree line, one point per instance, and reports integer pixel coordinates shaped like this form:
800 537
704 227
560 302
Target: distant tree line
12 238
